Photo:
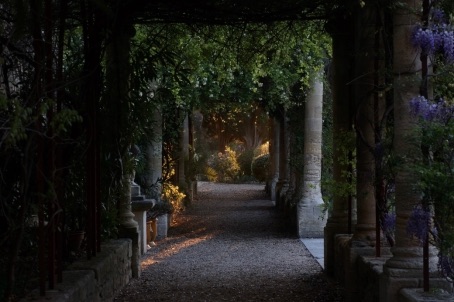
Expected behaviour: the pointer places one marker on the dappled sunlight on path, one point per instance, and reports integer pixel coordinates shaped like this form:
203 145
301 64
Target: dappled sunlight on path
230 245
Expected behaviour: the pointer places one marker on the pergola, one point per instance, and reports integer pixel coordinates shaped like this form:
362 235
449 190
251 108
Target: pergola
358 31
358 95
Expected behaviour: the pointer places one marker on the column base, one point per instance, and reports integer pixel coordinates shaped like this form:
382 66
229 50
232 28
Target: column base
311 220
405 270
334 226
281 191
133 234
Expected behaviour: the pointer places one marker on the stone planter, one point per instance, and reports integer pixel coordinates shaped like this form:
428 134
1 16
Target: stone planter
163 226
152 230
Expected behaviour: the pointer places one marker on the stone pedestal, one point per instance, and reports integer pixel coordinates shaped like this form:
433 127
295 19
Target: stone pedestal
140 206
336 224
129 228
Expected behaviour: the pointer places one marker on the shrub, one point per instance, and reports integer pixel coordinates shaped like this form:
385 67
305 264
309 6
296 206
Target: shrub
260 167
225 165
210 174
262 149
245 162
172 195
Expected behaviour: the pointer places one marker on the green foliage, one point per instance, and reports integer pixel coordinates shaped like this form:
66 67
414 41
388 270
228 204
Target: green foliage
210 174
344 147
443 81
172 195
225 165
245 161
260 167
436 176
171 201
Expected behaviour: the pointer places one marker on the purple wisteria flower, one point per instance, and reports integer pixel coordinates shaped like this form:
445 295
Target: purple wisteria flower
438 16
389 223
448 45
424 39
419 223
438 37
438 111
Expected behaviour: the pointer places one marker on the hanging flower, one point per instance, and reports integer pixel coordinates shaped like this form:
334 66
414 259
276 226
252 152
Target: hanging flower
424 39
389 223
419 223
438 111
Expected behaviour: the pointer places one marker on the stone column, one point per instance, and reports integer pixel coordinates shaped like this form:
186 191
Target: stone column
341 31
404 268
129 228
365 94
274 157
184 151
283 182
117 95
309 209
368 110
154 158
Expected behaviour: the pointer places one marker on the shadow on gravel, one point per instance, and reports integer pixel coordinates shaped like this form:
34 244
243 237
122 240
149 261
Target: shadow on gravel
230 245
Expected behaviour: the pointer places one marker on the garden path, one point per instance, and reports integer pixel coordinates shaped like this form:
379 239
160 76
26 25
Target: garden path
230 245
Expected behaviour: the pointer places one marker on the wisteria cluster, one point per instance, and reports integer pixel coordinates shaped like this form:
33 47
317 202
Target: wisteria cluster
388 223
439 111
438 37
419 223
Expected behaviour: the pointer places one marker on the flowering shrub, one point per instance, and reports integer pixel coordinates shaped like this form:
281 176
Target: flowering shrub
434 218
225 165
171 194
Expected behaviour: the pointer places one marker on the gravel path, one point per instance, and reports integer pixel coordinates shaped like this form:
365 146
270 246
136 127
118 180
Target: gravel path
230 245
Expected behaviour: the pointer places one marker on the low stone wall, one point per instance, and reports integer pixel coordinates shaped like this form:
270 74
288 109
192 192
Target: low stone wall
97 279
361 273
368 270
418 295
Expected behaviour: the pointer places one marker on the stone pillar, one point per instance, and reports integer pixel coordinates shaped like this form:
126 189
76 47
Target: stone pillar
283 182
309 209
341 31
184 151
129 228
365 94
274 157
140 205
404 268
117 95
154 158
368 110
